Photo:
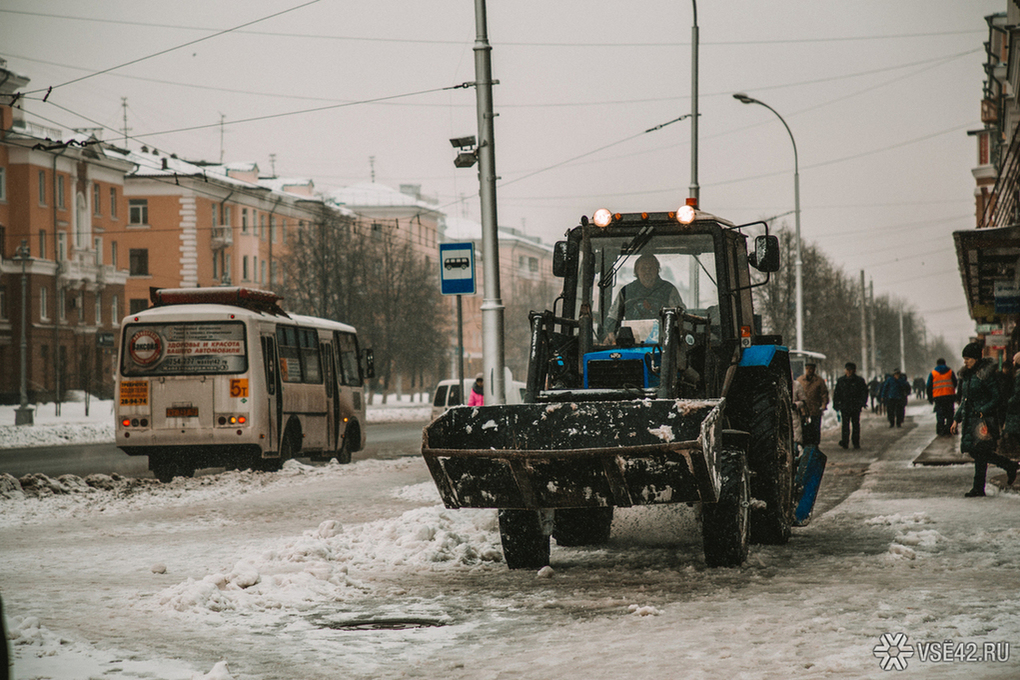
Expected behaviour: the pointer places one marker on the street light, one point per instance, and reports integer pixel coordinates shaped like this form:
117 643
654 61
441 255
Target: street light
23 414
798 263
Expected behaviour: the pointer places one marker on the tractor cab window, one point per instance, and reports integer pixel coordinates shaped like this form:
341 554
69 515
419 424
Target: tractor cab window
633 280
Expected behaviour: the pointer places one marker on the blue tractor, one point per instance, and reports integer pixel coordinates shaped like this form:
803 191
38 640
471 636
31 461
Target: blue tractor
649 382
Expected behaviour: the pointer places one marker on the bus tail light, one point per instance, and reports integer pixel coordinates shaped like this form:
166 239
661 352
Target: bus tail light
231 419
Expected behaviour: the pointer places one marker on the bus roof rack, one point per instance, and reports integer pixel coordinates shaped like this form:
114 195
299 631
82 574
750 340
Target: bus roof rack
247 298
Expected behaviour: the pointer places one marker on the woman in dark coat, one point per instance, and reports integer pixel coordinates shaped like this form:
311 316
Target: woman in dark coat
979 399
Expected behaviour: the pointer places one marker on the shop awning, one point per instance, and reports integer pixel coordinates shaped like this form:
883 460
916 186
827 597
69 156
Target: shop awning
987 257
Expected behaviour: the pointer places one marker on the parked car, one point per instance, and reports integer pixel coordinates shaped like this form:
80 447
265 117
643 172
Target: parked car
448 393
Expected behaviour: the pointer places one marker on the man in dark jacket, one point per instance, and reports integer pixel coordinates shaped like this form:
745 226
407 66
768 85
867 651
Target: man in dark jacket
941 391
850 396
895 392
974 419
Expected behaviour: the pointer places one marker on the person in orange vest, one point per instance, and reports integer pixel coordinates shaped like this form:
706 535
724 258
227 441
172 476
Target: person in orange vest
941 389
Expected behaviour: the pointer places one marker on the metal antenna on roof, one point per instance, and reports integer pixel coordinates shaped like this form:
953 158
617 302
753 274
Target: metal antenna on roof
221 137
272 164
123 103
371 167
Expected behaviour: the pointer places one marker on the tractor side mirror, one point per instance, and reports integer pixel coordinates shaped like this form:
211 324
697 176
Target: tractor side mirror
765 257
564 258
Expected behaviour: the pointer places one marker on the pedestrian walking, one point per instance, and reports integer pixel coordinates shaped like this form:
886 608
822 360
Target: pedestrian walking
974 419
477 396
919 385
1010 444
816 400
849 397
875 389
940 389
895 392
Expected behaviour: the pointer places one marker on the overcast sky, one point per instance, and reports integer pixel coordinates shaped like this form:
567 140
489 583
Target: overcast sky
879 96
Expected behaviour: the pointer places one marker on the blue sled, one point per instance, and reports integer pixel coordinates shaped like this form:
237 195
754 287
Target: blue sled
806 483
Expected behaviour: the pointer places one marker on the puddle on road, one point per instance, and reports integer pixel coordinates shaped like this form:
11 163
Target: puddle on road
384 623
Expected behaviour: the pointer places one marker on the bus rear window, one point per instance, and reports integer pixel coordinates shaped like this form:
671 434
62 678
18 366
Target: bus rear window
192 348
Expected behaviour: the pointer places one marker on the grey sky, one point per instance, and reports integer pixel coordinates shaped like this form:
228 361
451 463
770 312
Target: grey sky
879 96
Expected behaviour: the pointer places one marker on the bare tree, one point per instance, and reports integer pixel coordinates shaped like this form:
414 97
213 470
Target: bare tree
368 275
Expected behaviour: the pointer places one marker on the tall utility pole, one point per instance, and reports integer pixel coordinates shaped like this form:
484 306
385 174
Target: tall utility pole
695 189
874 345
123 104
903 353
23 414
864 326
492 304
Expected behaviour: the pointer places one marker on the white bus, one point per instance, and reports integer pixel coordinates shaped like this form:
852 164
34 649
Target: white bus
223 377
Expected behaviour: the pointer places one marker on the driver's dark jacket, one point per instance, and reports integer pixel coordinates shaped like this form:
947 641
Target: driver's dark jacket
642 303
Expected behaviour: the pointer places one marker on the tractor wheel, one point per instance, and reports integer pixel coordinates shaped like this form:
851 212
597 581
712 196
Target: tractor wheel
725 522
583 526
770 458
525 544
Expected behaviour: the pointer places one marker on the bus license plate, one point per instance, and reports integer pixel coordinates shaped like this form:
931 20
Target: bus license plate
182 412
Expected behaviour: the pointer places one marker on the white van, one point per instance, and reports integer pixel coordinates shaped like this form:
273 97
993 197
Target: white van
448 393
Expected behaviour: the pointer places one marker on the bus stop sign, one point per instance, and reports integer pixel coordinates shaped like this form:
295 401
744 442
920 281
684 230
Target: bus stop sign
457 268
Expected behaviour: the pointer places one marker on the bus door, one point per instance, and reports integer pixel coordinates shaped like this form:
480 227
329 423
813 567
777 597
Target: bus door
275 405
333 429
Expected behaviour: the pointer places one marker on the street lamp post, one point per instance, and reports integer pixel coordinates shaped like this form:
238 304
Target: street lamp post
798 263
23 414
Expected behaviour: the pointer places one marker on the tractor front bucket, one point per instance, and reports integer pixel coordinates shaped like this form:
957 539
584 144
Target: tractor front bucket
575 455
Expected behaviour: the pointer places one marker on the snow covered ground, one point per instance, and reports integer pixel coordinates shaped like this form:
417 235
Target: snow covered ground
74 426
135 579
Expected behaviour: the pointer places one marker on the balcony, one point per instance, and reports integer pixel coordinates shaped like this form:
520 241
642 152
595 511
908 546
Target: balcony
222 237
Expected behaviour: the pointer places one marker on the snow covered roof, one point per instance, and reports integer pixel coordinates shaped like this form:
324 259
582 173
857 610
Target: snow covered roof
465 229
375 195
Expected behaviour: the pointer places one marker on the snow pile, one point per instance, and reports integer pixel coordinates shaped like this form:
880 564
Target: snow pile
37 498
323 565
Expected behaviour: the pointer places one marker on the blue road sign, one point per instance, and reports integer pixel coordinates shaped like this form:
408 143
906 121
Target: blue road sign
457 268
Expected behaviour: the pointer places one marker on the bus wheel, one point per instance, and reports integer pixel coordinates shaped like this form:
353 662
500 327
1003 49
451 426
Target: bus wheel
343 454
165 469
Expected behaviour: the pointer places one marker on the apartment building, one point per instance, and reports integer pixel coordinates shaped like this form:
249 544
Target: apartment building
62 208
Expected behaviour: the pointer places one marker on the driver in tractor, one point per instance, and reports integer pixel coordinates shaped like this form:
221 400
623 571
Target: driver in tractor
643 297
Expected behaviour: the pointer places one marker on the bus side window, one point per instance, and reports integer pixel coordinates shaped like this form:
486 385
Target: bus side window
311 368
269 362
348 347
290 355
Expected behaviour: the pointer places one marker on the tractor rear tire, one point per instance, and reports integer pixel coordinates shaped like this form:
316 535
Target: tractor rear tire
725 530
583 526
525 544
770 457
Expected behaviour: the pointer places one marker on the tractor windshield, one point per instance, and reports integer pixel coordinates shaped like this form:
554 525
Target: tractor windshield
636 277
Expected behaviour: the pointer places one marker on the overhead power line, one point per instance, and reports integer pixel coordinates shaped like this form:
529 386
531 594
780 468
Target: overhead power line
172 49
423 41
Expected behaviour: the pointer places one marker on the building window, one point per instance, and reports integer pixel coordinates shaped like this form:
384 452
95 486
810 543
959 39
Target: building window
138 211
97 243
262 227
216 265
96 199
262 277
62 304
244 268
244 220
272 229
42 243
113 254
139 261
3 184
99 309
226 269
115 310
42 187
226 216
138 305
61 203
113 203
44 312
62 246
